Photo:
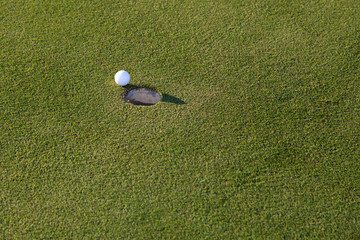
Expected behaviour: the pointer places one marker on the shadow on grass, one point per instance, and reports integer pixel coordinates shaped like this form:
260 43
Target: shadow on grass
165 97
171 99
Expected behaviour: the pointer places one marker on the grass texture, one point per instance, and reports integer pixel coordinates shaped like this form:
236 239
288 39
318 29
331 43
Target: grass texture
260 137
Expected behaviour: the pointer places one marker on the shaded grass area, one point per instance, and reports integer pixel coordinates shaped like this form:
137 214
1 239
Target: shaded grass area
266 146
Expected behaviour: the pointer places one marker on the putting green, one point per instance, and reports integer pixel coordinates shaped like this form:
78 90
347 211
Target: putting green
256 135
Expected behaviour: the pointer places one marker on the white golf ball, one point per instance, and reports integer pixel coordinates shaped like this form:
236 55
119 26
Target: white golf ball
122 78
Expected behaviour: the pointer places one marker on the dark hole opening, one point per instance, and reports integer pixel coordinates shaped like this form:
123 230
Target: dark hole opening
143 96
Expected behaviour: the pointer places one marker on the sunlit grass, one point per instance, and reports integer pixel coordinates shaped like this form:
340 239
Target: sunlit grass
265 142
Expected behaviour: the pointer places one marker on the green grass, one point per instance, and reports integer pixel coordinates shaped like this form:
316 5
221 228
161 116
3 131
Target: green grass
266 145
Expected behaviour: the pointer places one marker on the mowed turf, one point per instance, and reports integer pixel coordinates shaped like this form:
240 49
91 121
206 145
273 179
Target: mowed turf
259 136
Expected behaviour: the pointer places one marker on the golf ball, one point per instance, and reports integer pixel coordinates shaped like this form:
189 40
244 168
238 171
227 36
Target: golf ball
122 78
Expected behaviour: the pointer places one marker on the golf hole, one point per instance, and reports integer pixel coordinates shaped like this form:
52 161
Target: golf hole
143 97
